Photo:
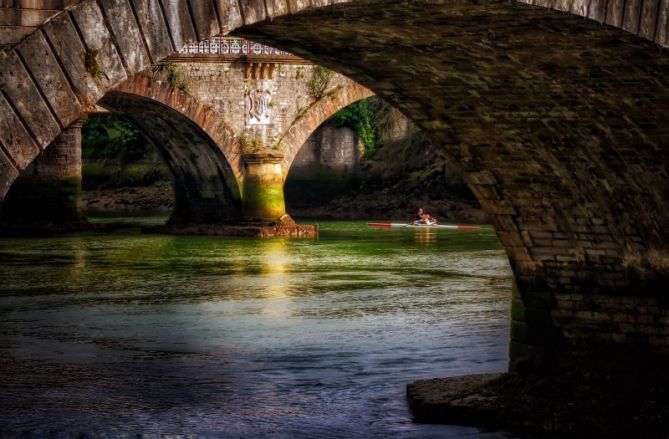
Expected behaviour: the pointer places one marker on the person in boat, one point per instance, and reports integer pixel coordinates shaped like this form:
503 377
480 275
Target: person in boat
424 218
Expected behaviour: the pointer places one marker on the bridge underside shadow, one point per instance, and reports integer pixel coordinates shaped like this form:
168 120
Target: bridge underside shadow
558 124
205 189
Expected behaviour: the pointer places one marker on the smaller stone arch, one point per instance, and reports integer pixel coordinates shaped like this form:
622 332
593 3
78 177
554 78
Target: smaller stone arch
197 146
315 115
209 120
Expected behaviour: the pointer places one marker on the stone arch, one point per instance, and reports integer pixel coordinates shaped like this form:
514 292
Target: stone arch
206 118
314 116
193 141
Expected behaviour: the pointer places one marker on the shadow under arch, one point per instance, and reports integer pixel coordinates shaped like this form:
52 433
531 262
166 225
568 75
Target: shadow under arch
205 187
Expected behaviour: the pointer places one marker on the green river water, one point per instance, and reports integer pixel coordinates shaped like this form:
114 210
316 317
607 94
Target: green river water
120 334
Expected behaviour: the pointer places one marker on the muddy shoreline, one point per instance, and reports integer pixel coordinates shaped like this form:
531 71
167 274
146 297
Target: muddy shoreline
377 205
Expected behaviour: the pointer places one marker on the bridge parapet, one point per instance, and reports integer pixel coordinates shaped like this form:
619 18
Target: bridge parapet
232 49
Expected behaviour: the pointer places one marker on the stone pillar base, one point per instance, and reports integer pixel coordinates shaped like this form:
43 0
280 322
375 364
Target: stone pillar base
263 187
46 197
283 228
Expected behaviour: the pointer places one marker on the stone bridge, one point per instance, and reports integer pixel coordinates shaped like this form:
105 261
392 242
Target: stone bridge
558 123
228 116
224 122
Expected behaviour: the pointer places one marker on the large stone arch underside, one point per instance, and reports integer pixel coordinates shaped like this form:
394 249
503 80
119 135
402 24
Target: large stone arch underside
156 87
560 126
205 190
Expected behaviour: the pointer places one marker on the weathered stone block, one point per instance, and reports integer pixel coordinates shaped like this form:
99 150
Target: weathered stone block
127 35
8 174
21 91
179 22
253 11
276 8
648 24
150 16
229 15
37 55
614 12
101 59
298 5
15 138
631 14
204 16
72 54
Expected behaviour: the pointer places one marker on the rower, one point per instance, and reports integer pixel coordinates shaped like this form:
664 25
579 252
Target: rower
424 218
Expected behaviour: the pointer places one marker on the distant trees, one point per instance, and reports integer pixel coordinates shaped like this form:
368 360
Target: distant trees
116 154
112 138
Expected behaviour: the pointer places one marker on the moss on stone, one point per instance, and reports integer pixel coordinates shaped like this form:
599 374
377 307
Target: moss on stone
263 199
91 63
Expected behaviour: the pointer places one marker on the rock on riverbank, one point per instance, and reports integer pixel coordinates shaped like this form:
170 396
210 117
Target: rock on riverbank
592 404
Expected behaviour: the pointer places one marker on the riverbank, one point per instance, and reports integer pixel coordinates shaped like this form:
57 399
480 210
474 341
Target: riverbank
129 200
379 204
387 205
592 404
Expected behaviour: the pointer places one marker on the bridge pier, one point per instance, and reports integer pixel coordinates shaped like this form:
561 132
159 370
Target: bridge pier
264 208
47 196
263 187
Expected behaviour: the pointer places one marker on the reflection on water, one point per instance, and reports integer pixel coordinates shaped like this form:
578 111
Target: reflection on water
425 236
124 334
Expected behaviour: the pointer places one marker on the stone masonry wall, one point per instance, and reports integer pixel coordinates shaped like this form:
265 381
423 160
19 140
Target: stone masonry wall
223 86
331 147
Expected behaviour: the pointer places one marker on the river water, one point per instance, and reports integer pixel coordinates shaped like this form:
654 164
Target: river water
123 334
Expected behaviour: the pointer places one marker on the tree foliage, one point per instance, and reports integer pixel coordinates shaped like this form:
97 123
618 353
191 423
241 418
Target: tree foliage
359 116
112 138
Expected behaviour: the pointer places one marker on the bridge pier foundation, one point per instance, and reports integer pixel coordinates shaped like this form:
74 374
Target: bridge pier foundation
264 208
263 187
47 196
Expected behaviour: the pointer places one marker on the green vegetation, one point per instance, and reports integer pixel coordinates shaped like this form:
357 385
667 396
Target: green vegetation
174 77
249 143
397 154
91 63
116 154
110 137
300 73
320 81
360 117
103 175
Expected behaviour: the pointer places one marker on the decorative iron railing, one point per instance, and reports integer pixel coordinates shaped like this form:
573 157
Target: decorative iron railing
230 46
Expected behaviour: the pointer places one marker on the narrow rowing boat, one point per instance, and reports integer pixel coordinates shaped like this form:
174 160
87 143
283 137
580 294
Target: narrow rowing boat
425 226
